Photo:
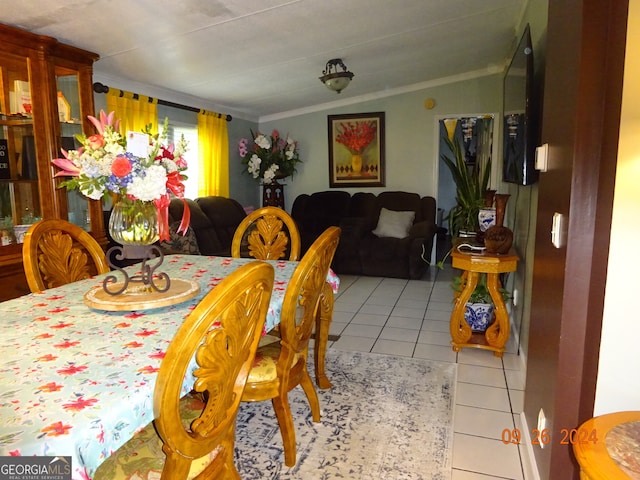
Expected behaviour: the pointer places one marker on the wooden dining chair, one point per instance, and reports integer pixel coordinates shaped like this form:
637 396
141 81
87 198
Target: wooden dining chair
281 366
193 436
57 252
268 233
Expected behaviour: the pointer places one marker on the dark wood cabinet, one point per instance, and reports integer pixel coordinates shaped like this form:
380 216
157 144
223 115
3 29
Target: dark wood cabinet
37 75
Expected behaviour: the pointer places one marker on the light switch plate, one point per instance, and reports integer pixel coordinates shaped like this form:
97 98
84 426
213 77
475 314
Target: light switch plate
557 230
542 157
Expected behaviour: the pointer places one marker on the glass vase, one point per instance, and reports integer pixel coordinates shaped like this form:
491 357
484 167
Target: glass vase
134 222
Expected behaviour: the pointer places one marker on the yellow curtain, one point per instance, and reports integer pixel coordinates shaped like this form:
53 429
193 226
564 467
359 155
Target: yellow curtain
213 155
134 114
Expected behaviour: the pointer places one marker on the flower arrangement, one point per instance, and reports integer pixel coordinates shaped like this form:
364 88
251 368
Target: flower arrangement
269 157
356 136
103 165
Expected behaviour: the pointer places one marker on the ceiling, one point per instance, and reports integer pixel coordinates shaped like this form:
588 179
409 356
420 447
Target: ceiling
262 58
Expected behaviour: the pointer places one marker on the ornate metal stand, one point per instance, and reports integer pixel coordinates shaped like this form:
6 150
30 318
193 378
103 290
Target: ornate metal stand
147 280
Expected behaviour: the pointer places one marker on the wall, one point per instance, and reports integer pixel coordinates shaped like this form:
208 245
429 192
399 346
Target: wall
410 129
618 386
522 207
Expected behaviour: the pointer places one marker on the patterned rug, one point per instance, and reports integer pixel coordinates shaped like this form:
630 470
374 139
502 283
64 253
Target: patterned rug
385 418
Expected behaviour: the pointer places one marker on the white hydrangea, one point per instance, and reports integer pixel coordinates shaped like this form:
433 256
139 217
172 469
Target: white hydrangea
95 192
151 187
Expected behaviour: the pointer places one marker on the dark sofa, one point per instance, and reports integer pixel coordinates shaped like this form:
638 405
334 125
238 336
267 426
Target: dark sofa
361 251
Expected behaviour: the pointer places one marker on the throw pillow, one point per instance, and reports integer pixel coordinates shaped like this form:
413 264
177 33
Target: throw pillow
186 244
394 224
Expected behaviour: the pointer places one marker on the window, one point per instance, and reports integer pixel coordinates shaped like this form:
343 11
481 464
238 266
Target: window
190 133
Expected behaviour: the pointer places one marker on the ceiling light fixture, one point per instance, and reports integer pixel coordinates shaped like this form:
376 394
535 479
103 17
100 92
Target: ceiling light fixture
332 78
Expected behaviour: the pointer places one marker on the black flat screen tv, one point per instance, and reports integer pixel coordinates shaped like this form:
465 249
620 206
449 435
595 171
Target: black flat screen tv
520 116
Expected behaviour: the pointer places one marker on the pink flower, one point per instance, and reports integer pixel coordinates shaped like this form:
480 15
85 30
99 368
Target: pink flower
121 167
69 169
104 121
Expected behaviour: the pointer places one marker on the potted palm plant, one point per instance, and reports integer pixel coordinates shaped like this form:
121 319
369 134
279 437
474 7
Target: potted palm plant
472 181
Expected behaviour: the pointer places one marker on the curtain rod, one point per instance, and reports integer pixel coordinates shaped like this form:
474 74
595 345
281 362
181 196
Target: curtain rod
101 88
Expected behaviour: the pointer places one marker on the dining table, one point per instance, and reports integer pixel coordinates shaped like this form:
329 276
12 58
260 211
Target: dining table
78 381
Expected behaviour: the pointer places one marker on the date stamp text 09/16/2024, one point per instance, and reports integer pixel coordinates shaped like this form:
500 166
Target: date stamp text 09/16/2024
543 437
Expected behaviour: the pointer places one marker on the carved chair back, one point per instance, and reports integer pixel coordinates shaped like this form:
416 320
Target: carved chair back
57 252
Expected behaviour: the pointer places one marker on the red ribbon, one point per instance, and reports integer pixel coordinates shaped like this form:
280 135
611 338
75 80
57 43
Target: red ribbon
175 186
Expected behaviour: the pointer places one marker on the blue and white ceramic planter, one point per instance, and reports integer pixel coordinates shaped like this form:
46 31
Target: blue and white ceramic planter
478 315
486 218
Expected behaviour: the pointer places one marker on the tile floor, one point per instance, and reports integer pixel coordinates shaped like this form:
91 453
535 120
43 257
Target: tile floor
411 318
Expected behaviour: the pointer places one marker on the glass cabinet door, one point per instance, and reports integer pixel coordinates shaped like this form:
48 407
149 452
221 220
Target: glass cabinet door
70 117
19 193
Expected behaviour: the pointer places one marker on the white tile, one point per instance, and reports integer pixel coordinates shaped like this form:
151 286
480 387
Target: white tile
385 300
404 322
481 396
481 422
515 379
408 312
434 338
517 400
410 303
336 328
350 307
393 347
437 315
353 344
399 334
435 326
491 377
376 309
369 319
356 330
434 352
436 306
513 362
477 454
463 475
476 356
342 317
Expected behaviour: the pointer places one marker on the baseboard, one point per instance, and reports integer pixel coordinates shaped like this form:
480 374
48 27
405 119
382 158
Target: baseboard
526 450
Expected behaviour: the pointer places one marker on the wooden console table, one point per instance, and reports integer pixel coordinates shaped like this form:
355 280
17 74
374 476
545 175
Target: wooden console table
473 264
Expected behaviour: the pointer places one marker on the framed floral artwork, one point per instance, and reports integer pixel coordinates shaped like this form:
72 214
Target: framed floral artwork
356 150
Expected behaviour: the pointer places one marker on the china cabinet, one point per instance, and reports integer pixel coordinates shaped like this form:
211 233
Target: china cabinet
45 97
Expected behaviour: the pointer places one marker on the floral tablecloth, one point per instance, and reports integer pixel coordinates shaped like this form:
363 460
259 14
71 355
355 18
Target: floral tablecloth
79 382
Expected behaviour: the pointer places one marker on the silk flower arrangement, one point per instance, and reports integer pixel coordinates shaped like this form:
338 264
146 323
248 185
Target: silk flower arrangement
104 166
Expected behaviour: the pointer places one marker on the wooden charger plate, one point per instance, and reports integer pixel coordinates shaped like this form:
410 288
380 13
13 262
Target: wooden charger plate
179 291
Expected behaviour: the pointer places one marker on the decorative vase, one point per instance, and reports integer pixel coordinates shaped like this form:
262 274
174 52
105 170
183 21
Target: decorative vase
486 218
478 315
356 164
488 198
498 239
134 225
134 222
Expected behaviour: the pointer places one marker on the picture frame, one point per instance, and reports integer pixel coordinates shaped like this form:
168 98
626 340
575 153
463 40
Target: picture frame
356 150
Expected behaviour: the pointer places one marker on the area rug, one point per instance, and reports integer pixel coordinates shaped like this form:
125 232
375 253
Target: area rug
386 417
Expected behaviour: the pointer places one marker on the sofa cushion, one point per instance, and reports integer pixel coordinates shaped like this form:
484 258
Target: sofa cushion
394 224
